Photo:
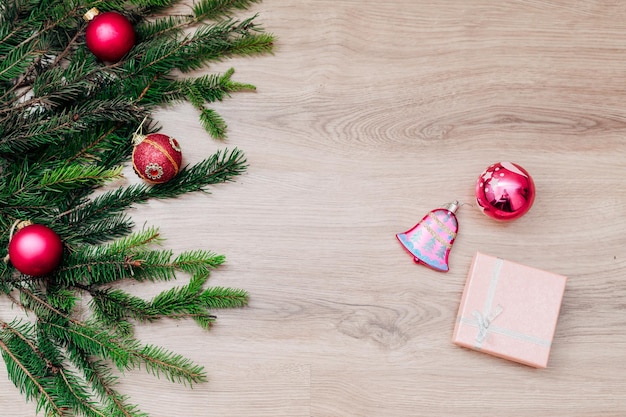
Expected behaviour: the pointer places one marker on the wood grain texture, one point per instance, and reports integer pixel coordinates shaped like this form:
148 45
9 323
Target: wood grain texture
369 115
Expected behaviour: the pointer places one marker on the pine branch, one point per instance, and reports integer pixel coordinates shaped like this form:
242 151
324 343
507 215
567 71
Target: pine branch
219 297
16 62
173 367
198 91
220 167
66 122
214 9
28 370
76 176
92 341
71 387
114 307
102 382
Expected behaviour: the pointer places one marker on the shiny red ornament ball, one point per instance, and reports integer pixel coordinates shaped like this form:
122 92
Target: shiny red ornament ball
109 35
35 250
505 191
156 157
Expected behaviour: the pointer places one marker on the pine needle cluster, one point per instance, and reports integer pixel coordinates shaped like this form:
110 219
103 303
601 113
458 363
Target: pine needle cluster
66 122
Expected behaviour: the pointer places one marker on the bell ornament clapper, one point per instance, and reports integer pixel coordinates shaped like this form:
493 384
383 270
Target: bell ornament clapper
430 240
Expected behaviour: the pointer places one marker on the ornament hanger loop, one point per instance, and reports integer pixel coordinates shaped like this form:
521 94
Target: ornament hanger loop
455 205
138 136
18 224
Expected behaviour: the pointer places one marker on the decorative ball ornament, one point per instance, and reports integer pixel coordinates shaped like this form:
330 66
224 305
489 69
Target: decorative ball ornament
505 191
35 250
109 35
156 157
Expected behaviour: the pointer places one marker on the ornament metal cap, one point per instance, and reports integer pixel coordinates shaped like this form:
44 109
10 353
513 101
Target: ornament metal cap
138 138
90 14
453 206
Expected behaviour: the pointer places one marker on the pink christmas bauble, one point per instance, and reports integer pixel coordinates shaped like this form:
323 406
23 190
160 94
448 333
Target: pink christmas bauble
156 157
35 250
505 191
109 36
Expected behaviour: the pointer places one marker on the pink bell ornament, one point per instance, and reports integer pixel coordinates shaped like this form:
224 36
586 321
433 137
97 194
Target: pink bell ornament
430 240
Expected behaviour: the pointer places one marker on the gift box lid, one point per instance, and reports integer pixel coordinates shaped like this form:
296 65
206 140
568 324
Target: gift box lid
509 310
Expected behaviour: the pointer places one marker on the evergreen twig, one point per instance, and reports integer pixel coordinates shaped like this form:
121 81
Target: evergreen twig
66 122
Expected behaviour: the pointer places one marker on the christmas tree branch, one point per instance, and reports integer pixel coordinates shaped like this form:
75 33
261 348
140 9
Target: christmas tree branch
220 167
66 120
10 328
102 382
28 371
72 388
214 9
174 367
29 384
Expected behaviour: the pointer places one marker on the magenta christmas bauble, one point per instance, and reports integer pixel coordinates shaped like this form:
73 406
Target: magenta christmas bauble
35 250
505 191
109 36
156 157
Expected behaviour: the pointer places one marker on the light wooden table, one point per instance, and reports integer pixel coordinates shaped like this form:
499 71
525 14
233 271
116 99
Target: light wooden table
369 115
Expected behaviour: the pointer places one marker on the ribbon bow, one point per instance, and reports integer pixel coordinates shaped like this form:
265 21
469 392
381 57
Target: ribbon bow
484 322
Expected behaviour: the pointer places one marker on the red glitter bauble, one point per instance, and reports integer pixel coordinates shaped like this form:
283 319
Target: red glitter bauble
505 191
109 35
156 157
35 250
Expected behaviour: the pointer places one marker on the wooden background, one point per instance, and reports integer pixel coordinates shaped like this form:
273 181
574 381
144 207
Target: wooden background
369 115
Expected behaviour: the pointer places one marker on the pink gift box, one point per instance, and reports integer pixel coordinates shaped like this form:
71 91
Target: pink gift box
509 310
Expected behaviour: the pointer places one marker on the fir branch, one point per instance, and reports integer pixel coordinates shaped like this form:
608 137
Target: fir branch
65 126
85 268
219 297
213 9
32 187
138 240
221 167
93 341
213 123
24 331
163 26
16 62
93 233
5 276
72 388
114 307
32 386
63 299
154 5
175 367
130 259
102 381
198 91
208 43
27 369
199 262
40 127
33 300
76 176
93 146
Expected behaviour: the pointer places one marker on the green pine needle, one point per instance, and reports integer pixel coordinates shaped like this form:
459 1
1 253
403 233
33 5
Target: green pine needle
66 124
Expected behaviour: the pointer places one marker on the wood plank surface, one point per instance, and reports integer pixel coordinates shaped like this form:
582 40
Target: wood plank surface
368 115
